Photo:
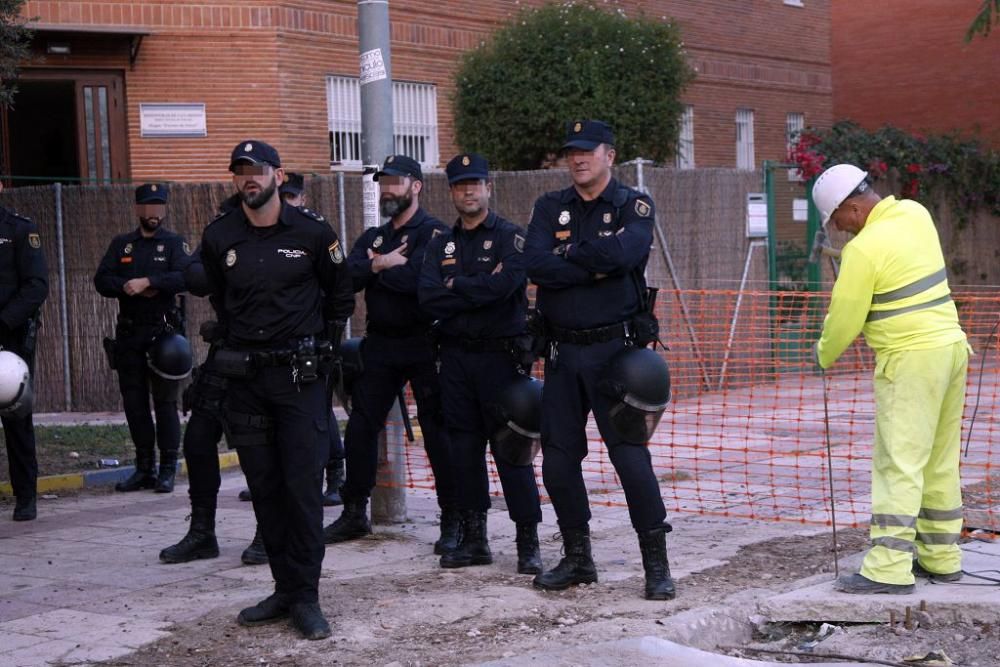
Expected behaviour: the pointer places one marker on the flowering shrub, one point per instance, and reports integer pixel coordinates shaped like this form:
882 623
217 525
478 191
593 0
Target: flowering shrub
963 171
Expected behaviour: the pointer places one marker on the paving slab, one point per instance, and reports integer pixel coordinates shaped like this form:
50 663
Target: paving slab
970 599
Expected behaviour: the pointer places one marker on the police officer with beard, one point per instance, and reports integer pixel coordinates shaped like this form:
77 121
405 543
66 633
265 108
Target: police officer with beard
586 249
278 279
24 284
385 262
143 269
473 282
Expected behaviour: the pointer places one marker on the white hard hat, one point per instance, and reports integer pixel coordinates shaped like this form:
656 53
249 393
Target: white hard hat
15 385
832 187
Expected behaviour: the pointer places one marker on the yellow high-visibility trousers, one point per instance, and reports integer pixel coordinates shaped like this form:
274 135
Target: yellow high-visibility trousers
916 491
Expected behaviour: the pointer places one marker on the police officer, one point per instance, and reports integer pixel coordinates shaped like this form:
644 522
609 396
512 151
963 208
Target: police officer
24 284
143 269
292 192
586 250
278 278
385 262
473 282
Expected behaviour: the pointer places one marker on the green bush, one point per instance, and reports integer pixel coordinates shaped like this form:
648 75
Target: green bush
562 62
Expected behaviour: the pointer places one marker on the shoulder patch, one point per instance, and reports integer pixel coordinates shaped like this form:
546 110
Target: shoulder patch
336 253
186 247
34 240
518 243
642 209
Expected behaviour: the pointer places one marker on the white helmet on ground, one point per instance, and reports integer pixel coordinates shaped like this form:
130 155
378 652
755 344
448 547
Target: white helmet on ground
15 386
833 186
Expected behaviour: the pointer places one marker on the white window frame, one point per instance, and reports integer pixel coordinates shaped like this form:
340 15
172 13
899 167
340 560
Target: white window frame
685 139
795 122
745 158
414 124
794 3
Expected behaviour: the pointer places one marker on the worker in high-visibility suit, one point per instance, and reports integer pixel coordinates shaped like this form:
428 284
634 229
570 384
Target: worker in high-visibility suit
893 288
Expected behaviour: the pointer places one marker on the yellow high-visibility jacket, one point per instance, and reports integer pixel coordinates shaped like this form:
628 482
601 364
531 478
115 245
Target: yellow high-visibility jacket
892 286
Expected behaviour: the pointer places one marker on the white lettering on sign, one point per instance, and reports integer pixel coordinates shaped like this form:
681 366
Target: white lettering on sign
372 66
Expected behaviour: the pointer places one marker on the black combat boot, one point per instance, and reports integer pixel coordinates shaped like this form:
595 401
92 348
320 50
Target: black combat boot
576 566
271 609
451 531
334 478
474 546
308 619
168 470
26 508
529 558
199 542
653 544
351 524
255 554
144 476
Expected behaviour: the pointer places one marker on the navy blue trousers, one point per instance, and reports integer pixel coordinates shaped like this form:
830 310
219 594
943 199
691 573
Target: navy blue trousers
570 393
469 383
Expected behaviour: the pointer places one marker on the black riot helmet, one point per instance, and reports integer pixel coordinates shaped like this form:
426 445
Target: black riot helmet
638 383
517 410
170 356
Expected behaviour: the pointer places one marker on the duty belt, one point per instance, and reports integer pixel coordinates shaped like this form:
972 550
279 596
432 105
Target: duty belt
478 344
141 320
906 291
394 332
589 336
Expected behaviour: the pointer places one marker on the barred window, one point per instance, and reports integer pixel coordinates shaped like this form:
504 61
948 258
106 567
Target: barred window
685 139
414 113
744 139
794 124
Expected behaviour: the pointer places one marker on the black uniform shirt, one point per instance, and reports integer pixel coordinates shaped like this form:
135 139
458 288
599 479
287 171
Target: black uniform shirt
594 284
162 258
391 294
24 281
273 284
480 303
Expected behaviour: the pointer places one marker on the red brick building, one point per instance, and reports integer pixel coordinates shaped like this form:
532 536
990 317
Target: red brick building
905 63
162 89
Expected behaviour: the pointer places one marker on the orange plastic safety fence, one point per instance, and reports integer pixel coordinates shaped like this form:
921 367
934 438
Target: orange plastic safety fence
745 434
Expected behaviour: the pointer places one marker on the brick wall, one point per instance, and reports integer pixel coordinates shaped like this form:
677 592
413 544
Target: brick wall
260 69
905 63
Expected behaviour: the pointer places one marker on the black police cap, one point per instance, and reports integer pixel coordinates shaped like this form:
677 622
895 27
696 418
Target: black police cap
151 193
294 184
467 167
400 165
588 134
254 152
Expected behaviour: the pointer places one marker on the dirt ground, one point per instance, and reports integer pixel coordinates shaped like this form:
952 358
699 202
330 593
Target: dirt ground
479 614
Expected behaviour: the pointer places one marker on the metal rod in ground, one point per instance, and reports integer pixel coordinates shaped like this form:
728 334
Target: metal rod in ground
829 475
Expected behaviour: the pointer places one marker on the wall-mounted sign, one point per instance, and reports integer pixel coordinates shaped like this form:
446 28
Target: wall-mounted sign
172 120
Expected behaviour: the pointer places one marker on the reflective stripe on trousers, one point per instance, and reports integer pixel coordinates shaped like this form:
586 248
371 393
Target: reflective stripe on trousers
916 493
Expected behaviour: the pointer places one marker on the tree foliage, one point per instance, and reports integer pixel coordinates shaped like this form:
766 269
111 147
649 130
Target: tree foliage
14 39
988 14
562 62
963 170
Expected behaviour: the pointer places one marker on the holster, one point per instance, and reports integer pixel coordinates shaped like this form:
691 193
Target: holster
111 350
537 329
645 326
522 349
234 364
